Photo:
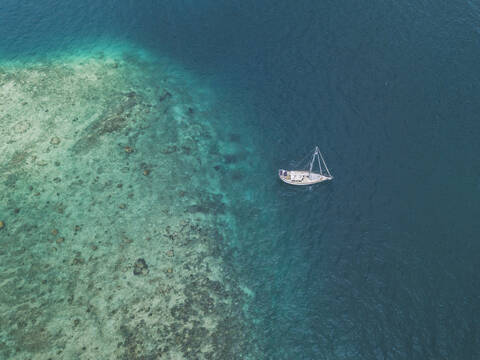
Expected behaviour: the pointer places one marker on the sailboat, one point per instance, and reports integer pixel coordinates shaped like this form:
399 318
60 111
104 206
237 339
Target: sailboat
307 177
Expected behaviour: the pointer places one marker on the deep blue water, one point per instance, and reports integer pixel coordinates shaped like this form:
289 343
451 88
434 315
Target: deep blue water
383 262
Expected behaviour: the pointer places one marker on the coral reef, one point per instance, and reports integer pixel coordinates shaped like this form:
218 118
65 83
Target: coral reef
114 247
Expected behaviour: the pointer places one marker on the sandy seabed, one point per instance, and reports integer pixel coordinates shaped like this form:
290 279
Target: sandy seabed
111 242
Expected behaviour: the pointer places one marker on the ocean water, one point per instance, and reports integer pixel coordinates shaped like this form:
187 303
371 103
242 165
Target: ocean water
381 263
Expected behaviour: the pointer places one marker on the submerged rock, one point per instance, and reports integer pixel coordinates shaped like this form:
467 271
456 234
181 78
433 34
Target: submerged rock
140 267
55 140
165 95
170 149
234 138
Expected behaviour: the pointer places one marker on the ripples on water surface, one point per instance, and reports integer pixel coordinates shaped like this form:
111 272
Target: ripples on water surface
381 263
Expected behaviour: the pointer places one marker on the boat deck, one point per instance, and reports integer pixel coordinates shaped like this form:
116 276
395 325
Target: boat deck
301 177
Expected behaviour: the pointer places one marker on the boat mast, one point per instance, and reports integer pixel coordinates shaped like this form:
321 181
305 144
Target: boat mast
311 162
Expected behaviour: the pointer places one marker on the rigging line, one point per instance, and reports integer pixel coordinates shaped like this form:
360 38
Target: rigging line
309 162
324 163
296 164
319 165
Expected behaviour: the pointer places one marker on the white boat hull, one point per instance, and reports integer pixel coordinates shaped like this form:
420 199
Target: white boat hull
301 177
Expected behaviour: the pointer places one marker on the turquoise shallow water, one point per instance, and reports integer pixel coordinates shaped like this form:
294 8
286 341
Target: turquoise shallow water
381 263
